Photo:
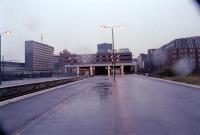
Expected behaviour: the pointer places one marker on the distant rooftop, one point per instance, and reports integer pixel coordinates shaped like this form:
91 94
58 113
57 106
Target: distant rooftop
39 43
188 42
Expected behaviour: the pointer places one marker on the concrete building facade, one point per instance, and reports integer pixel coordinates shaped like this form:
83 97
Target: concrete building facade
104 48
142 62
38 57
12 70
151 53
177 54
12 67
183 48
57 62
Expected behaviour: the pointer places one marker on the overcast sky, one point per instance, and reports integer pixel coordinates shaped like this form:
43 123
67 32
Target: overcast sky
75 24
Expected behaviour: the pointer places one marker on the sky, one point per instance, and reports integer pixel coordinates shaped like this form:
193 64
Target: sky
75 24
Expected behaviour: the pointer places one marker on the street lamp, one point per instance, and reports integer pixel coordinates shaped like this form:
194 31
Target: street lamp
3 33
113 45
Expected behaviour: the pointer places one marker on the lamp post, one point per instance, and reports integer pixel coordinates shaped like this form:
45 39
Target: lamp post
3 33
113 45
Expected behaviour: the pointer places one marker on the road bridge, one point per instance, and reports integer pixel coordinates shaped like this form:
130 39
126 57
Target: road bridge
103 68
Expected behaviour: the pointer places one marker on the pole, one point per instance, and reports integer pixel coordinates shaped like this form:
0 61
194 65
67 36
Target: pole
0 62
113 46
3 66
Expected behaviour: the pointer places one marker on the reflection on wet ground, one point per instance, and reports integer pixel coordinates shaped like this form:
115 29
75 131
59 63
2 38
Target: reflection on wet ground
104 89
133 105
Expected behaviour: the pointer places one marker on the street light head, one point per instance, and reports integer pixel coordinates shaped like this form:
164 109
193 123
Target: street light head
7 32
103 27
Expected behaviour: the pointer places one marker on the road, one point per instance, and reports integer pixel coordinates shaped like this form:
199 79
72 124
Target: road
134 105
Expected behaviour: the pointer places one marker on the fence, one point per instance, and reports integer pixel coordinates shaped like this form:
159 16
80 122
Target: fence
8 76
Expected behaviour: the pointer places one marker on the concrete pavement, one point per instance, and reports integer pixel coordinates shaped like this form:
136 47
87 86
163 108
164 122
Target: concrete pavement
132 106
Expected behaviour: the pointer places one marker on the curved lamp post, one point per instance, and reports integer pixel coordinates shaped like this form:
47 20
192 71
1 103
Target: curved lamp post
113 45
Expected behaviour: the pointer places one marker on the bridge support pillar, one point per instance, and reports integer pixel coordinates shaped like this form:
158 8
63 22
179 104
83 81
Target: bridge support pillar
135 68
91 70
65 69
77 71
108 70
122 69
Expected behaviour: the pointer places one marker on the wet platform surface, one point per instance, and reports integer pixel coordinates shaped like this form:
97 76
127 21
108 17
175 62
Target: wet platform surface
134 105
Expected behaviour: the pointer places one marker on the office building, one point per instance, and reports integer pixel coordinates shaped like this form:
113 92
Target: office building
183 48
104 48
12 70
142 61
57 60
38 57
151 53
8 67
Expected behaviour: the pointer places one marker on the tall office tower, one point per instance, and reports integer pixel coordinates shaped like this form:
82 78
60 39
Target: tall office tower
38 57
